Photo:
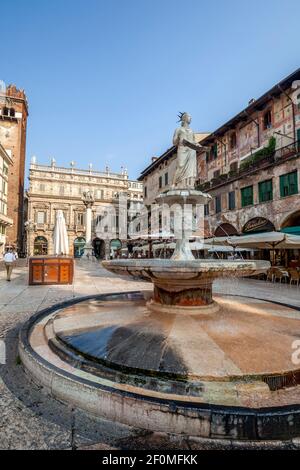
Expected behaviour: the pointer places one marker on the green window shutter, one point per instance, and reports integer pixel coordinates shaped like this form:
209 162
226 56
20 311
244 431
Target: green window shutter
247 196
293 180
265 191
282 185
231 200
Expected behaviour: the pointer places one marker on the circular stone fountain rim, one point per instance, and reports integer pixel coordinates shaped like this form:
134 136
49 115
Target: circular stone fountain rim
197 264
25 346
41 369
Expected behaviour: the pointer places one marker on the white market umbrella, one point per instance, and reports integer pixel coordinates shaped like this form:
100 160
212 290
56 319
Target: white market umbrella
290 242
266 240
60 236
258 240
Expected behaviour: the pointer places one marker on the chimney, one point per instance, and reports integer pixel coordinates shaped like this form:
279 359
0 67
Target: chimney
153 159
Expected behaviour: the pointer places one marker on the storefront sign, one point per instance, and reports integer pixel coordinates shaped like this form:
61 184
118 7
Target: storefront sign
258 224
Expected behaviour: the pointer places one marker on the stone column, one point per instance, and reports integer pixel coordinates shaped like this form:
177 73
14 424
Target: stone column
88 201
30 228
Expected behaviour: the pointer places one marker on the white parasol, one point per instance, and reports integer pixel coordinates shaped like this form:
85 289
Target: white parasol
60 236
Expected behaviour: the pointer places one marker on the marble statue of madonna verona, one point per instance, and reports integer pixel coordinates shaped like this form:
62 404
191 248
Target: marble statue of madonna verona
186 162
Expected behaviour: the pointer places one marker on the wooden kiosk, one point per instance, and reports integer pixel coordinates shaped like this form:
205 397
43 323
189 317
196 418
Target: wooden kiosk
49 270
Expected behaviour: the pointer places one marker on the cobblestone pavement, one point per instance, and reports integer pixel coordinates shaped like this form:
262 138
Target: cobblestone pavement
31 420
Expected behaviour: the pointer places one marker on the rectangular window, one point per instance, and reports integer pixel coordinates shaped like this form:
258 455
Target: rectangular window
99 194
265 191
218 204
234 166
289 184
231 200
233 141
160 182
215 151
145 191
247 196
166 179
80 218
268 120
206 209
40 217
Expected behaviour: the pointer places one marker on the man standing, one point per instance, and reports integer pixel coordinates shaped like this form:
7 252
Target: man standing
9 259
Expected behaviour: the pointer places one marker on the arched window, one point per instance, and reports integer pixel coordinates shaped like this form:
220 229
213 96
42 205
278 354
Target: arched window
79 244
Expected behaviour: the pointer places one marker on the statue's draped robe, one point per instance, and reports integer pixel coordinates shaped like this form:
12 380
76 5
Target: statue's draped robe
186 162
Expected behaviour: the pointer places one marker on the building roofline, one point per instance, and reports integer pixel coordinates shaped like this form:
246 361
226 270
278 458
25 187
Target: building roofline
255 106
157 162
80 172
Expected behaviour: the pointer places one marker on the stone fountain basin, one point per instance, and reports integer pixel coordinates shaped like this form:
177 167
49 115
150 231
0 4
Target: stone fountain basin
171 270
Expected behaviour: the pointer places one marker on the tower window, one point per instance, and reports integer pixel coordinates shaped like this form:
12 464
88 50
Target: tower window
9 112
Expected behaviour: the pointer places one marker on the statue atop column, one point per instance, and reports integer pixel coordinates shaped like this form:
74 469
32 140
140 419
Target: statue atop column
186 162
88 198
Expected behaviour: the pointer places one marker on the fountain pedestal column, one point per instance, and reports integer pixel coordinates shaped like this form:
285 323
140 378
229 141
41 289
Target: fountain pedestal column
192 295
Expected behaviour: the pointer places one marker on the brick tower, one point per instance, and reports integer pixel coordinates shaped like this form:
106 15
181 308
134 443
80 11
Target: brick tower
13 123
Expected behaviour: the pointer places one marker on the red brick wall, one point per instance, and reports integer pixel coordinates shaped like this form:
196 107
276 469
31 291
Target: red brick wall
13 138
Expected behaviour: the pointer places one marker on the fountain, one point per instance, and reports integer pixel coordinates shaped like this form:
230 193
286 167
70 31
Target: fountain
176 359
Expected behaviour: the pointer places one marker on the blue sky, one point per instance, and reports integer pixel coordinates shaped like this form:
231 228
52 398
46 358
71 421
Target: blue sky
106 79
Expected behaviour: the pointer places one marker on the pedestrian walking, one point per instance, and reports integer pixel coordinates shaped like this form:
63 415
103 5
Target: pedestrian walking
9 259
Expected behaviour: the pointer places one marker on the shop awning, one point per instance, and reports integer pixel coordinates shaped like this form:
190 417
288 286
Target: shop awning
293 230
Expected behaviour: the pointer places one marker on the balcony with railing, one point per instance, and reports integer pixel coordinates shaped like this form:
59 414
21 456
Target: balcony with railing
256 162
